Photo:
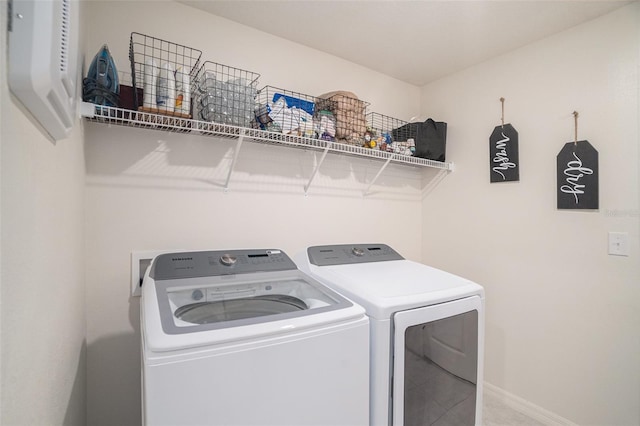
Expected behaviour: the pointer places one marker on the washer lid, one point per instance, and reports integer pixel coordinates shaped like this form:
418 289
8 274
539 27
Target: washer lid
193 299
205 311
211 303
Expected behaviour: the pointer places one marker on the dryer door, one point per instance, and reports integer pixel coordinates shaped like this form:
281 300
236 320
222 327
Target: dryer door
437 365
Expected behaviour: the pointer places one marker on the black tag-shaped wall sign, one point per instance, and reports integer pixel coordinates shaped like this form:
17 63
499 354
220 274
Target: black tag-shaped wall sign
577 176
503 154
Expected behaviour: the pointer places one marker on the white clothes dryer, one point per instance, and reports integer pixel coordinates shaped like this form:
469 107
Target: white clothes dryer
427 333
243 337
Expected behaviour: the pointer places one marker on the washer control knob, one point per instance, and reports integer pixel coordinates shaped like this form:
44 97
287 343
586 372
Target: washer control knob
228 259
357 251
197 295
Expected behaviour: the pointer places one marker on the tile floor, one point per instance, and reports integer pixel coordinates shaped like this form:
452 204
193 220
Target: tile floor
496 413
435 397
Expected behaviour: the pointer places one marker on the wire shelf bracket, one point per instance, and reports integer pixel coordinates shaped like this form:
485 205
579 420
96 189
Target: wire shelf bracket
315 170
236 152
375 178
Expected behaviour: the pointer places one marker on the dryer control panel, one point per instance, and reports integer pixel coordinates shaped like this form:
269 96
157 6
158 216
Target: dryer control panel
171 266
345 254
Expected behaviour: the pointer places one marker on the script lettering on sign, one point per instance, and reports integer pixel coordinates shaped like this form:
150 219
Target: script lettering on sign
503 154
502 157
574 172
577 176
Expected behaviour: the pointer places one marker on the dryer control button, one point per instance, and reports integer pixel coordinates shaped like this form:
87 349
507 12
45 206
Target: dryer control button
228 259
357 251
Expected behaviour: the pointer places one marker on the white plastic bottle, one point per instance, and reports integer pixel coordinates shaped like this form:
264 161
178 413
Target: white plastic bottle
183 93
186 94
150 78
179 92
166 89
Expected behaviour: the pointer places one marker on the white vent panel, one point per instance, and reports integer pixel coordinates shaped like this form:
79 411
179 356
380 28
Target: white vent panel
64 36
43 61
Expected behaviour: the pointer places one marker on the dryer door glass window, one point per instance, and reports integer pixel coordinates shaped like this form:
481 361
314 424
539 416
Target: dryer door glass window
435 378
440 373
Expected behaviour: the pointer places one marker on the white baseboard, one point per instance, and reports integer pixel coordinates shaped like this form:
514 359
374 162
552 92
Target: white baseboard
525 407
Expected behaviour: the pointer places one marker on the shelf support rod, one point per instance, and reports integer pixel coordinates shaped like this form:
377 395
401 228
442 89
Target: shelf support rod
315 171
236 152
375 178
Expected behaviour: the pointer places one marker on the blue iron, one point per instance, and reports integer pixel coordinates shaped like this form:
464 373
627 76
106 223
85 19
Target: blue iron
101 86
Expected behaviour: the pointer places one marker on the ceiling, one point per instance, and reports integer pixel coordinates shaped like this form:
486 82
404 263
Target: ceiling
413 41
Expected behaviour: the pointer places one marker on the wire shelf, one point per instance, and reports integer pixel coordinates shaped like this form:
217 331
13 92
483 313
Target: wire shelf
146 120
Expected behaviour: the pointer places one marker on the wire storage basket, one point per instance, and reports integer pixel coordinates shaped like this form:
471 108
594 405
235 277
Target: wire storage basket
293 113
389 134
225 94
349 112
165 72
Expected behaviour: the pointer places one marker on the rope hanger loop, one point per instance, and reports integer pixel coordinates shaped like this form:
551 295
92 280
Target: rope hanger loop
575 118
502 117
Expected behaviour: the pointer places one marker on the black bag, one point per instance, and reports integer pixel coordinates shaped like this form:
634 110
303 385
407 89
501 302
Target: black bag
430 138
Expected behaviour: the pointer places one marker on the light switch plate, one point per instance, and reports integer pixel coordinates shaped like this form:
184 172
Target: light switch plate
619 243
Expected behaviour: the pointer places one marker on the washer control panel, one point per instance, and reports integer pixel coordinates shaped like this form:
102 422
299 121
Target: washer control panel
345 254
171 266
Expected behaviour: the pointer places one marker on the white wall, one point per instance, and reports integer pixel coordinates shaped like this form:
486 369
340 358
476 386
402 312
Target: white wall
156 190
42 273
562 315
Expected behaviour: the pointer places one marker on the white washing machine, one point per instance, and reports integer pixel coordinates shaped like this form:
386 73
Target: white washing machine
427 333
243 337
